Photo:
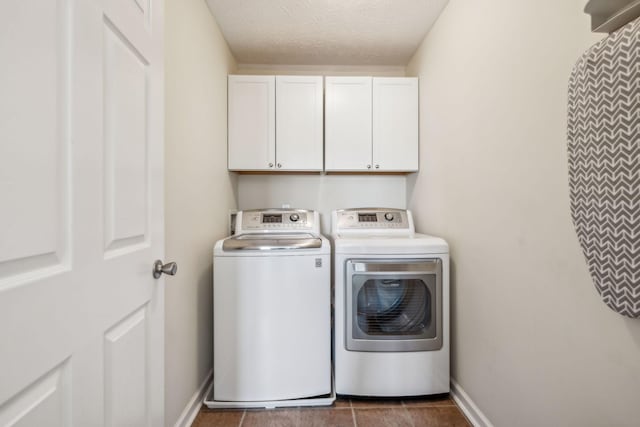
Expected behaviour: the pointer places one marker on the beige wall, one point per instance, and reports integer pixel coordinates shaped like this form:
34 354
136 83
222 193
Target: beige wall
532 343
323 193
199 190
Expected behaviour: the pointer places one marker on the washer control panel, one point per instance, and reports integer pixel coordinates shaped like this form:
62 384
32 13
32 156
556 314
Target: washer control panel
372 219
274 220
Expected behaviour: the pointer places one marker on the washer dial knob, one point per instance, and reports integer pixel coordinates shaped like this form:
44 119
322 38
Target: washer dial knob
294 217
389 216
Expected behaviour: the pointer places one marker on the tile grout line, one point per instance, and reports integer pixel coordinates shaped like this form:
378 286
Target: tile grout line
353 413
407 414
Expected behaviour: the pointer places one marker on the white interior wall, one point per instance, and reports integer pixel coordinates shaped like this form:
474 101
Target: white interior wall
323 193
199 191
315 191
532 344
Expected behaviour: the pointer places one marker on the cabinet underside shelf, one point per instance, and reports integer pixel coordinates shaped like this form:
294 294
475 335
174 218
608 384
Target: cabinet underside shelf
609 15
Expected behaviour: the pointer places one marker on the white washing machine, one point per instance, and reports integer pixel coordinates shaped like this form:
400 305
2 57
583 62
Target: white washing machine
271 312
391 330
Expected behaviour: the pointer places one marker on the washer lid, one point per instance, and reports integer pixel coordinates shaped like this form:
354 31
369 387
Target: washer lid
262 242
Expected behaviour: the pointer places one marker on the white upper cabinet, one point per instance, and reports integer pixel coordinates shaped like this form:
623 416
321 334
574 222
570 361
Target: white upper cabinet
251 122
299 123
348 123
371 124
275 123
395 124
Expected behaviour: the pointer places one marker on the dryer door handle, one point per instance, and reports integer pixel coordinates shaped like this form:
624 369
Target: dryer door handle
423 266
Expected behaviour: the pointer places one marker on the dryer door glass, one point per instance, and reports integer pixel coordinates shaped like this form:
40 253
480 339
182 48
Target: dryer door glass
394 306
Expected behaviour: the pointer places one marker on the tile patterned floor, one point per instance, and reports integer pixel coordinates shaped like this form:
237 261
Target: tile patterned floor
428 412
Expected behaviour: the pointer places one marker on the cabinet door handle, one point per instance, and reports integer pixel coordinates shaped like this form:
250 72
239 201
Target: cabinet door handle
377 166
270 165
368 166
279 165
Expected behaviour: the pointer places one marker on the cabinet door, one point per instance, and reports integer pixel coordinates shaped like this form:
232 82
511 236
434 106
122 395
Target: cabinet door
251 122
348 124
299 123
395 124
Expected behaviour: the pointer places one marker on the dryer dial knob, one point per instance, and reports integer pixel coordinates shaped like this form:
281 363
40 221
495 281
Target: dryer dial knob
294 217
389 216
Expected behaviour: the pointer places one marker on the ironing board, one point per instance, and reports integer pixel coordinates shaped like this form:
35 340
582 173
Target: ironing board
604 165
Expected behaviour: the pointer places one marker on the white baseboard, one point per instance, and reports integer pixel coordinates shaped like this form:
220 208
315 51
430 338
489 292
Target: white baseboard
470 409
190 411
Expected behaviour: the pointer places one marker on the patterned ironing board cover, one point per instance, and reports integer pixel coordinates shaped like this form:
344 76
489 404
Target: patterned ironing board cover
604 165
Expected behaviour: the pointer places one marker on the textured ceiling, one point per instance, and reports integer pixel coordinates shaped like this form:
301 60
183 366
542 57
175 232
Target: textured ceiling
325 32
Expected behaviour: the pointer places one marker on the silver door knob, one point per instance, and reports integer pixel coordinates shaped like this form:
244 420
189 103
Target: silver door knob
170 268
377 166
368 166
279 165
270 165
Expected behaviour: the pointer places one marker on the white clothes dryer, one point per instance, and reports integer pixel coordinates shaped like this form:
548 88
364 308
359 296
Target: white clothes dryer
271 312
391 320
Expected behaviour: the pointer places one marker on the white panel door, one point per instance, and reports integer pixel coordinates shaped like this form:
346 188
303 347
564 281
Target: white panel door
251 123
81 173
299 123
348 124
395 124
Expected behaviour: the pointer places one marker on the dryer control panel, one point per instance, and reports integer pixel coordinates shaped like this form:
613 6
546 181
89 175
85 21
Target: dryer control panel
366 220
